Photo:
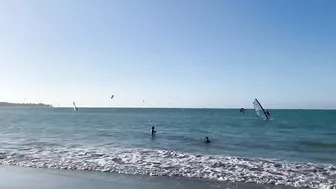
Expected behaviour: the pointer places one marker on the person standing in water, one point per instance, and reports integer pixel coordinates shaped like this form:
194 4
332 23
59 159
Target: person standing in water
153 130
207 140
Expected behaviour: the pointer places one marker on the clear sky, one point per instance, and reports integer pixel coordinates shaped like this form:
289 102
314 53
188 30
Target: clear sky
170 53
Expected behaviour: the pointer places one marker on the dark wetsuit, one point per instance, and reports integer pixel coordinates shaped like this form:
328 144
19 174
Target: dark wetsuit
153 131
207 140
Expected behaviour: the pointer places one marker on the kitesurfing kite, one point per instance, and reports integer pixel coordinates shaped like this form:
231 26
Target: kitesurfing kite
112 96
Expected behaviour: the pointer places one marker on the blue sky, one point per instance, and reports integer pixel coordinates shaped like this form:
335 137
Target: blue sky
191 53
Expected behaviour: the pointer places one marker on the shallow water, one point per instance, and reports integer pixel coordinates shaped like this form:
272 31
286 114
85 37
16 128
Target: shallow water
295 148
29 178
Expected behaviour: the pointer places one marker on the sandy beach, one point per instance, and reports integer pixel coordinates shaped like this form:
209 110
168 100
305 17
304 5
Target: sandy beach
33 178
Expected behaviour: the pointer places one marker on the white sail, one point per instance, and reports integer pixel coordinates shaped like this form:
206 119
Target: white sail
74 106
259 109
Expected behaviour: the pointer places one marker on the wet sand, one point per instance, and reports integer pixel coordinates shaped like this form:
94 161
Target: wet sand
34 178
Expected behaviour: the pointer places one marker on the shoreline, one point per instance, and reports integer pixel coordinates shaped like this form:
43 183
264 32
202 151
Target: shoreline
24 105
14 177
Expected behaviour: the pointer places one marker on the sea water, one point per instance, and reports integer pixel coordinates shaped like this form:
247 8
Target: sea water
295 148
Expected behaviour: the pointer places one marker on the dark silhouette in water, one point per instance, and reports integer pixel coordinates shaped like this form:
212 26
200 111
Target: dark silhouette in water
207 140
242 110
153 131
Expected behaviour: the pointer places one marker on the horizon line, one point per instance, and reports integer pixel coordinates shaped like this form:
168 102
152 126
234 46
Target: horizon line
229 108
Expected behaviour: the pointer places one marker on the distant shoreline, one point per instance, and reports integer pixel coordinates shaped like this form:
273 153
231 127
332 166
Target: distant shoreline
42 105
25 105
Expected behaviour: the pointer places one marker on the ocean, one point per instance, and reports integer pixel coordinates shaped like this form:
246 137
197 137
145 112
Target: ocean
296 148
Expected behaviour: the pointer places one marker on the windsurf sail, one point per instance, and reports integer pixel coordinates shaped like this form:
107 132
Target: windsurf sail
259 109
75 107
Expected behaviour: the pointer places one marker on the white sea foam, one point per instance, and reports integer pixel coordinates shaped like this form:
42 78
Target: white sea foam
173 163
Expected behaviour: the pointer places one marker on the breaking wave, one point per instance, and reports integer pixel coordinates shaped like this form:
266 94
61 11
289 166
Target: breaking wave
173 163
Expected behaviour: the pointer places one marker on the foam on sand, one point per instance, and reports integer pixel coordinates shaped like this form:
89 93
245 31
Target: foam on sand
176 164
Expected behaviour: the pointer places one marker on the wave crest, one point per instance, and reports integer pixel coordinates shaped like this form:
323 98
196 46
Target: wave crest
173 163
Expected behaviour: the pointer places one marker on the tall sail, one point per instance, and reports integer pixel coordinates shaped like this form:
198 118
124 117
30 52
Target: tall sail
259 109
75 108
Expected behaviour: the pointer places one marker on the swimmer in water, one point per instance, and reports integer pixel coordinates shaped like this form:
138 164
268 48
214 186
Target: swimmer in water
153 131
207 140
